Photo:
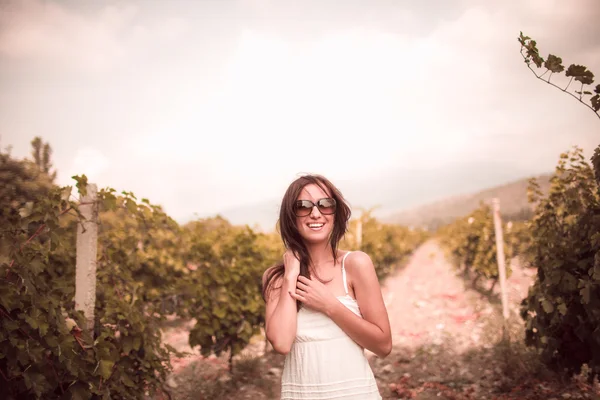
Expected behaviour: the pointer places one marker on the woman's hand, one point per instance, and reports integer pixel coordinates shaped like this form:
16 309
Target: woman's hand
314 294
291 265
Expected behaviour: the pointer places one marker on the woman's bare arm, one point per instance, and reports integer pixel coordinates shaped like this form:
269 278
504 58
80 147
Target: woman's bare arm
280 314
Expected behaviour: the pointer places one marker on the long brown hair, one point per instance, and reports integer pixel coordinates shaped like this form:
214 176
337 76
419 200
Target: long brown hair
289 230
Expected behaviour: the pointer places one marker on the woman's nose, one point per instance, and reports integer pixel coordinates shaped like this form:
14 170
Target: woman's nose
315 213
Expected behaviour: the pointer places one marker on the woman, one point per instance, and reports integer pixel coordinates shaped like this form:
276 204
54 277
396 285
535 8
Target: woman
323 305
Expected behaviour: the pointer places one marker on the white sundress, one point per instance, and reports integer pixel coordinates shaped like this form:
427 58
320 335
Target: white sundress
324 362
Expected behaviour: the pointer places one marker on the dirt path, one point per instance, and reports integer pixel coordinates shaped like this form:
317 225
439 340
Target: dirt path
434 320
427 302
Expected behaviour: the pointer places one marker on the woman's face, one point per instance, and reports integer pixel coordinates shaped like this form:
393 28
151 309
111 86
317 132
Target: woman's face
314 223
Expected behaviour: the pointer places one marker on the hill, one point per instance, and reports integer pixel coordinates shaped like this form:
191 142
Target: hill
396 189
419 197
513 205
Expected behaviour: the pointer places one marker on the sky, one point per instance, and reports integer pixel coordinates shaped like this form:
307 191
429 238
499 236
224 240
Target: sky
202 106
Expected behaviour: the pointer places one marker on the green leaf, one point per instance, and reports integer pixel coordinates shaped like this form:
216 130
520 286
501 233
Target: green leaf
82 182
27 210
595 100
137 342
65 193
10 325
54 241
31 321
595 272
533 53
105 368
127 344
43 328
127 381
554 64
580 73
36 382
562 308
80 391
219 312
585 294
131 206
37 266
548 307
51 341
522 38
109 202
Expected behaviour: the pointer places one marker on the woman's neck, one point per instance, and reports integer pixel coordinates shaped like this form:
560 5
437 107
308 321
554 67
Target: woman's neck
320 255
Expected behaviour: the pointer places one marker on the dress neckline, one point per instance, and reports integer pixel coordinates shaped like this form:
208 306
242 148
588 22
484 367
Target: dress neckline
346 296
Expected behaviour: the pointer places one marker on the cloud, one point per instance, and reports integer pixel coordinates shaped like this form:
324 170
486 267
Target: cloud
287 105
66 40
210 105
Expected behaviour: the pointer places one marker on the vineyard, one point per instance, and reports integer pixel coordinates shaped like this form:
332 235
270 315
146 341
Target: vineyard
561 240
151 270
149 267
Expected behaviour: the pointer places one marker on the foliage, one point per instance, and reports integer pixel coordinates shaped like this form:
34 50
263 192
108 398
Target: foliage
143 246
139 265
21 182
224 288
43 352
518 239
553 65
40 354
42 153
148 266
562 308
470 243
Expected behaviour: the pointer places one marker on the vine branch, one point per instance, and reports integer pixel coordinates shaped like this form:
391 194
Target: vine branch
556 86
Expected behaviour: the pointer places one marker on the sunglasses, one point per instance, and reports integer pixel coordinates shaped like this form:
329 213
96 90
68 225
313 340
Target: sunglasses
302 208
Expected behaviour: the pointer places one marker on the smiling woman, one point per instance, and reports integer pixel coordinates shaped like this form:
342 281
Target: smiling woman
323 305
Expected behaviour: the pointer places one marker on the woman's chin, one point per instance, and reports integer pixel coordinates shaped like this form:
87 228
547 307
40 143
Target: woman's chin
316 237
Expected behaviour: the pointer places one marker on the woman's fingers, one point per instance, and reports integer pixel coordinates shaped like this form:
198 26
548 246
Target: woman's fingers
301 285
297 296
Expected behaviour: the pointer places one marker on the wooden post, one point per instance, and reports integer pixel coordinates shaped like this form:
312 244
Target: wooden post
500 258
87 250
359 233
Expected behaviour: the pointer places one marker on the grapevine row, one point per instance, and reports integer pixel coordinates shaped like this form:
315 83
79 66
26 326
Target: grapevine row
148 267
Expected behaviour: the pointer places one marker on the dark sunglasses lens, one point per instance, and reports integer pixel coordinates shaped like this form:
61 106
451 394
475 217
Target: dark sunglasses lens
303 208
326 206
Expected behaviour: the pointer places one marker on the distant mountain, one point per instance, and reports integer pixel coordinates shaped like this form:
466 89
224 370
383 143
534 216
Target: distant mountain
396 190
512 196
407 188
260 216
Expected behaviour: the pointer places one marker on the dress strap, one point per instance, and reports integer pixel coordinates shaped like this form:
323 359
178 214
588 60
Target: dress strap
344 272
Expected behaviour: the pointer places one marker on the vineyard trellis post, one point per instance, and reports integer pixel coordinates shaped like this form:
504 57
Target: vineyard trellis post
359 232
87 250
500 258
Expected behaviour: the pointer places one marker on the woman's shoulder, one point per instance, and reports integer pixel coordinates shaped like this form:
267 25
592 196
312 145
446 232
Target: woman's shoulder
357 259
360 270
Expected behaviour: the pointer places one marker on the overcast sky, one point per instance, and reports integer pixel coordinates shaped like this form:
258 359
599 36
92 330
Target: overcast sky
205 105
